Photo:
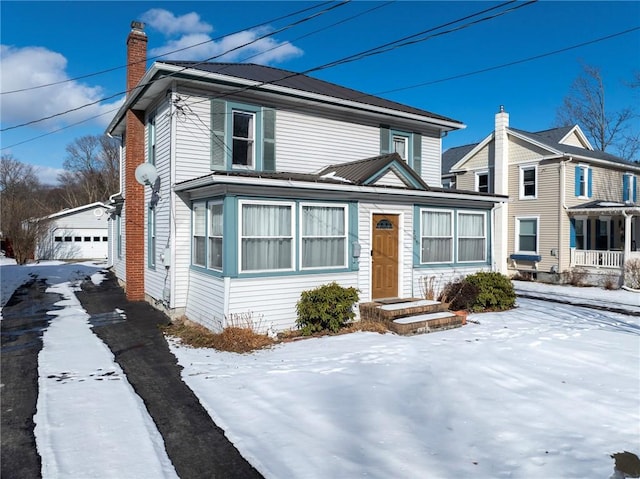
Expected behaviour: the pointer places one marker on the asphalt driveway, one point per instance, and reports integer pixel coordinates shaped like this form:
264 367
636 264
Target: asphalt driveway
196 446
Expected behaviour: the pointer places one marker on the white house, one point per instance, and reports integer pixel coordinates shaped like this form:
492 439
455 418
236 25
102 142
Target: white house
77 233
263 183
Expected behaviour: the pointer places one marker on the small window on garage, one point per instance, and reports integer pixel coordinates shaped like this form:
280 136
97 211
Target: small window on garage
77 239
67 239
58 239
87 238
96 238
105 238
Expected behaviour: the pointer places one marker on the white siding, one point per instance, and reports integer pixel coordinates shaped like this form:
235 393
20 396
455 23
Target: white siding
306 144
431 158
157 280
205 303
81 224
438 278
254 297
182 254
193 139
390 178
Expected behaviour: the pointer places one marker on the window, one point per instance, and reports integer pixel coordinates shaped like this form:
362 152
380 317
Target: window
215 236
243 138
77 239
199 228
87 239
151 242
437 236
401 146
580 230
583 181
323 236
629 188
528 183
67 239
58 239
482 182
152 138
266 237
527 235
603 228
471 237
105 238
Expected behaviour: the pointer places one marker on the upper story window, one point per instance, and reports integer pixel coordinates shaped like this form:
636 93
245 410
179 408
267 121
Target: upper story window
482 182
152 138
401 146
583 186
528 182
407 144
243 146
242 136
629 185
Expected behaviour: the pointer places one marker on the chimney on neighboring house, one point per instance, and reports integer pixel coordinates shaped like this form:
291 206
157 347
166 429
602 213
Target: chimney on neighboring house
134 155
501 160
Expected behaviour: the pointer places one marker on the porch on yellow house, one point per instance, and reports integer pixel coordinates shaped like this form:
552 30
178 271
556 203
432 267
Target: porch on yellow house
604 236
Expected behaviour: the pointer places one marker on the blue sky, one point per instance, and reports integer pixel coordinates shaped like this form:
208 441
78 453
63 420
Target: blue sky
46 42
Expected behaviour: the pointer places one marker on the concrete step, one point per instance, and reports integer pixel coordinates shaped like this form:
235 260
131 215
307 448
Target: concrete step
426 323
388 310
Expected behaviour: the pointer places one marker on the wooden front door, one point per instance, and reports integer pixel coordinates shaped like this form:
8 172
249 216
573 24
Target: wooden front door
384 257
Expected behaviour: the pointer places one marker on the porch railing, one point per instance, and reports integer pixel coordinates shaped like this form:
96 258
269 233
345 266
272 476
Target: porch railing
597 259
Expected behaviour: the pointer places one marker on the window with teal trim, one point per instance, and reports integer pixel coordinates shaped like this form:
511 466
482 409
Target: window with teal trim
472 237
199 231
436 237
214 234
407 144
323 236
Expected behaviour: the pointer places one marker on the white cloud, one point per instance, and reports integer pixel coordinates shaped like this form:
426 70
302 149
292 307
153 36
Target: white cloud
168 24
48 175
188 30
29 67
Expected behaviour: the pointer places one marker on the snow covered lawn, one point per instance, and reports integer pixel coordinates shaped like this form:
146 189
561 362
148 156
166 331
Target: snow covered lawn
544 390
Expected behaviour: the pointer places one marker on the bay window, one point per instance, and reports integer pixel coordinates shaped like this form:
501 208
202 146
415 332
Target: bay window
436 236
214 235
323 236
472 237
199 228
266 237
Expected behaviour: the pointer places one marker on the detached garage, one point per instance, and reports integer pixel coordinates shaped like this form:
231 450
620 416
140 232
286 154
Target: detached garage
75 234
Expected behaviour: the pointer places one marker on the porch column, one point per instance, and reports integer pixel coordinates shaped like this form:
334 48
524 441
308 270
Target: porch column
627 236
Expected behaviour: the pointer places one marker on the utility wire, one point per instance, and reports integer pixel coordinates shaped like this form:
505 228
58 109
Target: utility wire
88 75
291 25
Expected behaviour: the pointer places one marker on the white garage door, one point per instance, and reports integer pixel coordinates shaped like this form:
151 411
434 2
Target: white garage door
80 243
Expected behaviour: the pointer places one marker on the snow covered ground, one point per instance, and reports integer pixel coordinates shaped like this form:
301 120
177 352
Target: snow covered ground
544 390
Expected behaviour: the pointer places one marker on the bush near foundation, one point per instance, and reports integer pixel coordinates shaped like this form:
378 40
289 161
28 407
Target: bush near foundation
326 308
482 291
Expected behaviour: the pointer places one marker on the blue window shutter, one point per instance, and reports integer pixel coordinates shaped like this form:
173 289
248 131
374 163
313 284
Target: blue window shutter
417 153
269 139
384 139
218 123
589 182
625 187
577 189
634 186
572 233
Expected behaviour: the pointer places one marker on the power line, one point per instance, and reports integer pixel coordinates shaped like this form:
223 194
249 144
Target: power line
101 72
291 25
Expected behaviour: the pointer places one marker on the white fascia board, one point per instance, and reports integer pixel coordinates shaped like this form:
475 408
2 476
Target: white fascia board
77 209
306 185
576 129
604 163
634 210
457 167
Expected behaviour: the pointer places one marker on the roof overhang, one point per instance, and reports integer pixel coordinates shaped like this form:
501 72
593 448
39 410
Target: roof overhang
605 208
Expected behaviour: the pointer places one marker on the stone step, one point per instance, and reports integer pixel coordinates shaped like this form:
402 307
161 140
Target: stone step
426 323
388 311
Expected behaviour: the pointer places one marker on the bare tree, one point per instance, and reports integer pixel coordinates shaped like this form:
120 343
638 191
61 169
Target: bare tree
20 208
585 105
92 170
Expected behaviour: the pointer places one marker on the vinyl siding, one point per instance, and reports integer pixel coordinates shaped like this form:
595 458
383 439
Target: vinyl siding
521 151
157 279
431 155
606 184
181 253
438 278
254 298
205 303
390 179
545 207
193 138
573 140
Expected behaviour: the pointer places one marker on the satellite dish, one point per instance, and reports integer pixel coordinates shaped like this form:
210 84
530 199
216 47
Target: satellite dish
146 174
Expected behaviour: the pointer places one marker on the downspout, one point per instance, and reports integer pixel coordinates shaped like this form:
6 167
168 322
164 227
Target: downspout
562 210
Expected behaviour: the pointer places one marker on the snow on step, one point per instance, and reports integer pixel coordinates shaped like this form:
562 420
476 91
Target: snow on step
408 304
424 317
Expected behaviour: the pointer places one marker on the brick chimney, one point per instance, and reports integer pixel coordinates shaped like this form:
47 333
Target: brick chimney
133 191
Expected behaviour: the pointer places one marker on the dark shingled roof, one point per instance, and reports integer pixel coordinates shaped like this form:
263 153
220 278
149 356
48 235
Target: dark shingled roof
298 81
548 138
358 172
